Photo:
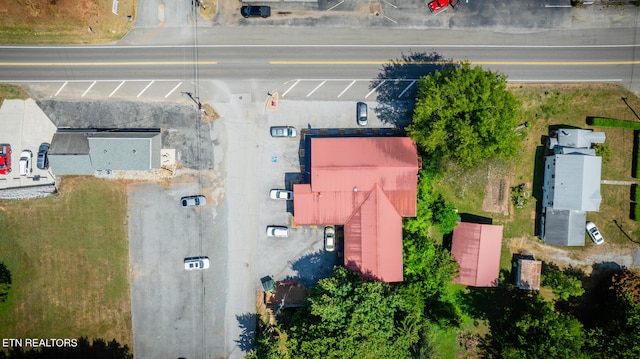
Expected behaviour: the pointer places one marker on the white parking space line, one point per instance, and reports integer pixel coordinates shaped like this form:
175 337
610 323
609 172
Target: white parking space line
173 89
117 88
374 90
334 6
87 90
388 3
317 87
390 19
290 88
407 88
348 87
61 87
145 89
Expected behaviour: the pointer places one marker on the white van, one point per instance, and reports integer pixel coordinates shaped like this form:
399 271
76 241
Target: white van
25 162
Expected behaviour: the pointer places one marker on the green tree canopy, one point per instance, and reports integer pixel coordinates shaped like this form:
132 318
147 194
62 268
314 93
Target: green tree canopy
349 317
465 114
530 328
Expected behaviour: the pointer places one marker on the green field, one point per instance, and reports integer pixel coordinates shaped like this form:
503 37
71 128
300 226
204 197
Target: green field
68 257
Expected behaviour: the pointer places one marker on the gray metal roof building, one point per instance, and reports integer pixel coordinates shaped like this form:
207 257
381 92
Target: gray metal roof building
571 186
83 152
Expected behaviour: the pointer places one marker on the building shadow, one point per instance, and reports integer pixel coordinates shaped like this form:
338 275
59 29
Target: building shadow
312 267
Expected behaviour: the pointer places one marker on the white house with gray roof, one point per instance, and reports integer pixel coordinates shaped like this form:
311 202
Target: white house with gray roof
86 151
571 186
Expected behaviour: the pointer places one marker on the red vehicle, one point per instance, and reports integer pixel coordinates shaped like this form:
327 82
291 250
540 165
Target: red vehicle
439 5
5 159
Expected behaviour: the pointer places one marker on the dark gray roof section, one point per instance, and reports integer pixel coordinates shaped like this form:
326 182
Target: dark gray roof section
579 138
564 227
69 144
577 182
104 150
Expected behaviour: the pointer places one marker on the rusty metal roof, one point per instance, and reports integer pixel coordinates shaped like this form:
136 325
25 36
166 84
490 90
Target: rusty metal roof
368 185
528 276
477 247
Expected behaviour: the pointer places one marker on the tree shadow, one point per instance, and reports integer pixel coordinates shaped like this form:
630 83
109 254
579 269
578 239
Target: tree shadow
247 340
397 88
312 267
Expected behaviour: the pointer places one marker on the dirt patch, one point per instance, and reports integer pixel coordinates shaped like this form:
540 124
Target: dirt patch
496 199
585 258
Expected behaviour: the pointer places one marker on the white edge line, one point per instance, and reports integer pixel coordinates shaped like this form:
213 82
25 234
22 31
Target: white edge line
145 89
348 87
317 87
290 88
89 88
374 90
61 87
116 89
406 88
175 88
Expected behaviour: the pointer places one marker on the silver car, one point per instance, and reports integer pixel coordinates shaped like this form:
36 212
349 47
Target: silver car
361 113
284 131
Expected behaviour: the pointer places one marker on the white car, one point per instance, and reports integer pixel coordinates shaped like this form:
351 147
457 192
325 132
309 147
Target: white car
277 231
594 233
25 162
196 263
329 238
193 201
281 194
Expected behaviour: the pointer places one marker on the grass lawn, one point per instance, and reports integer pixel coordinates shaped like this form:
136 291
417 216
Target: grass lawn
68 257
64 21
556 105
12 92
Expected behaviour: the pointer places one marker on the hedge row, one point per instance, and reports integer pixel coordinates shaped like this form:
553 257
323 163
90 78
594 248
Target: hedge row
635 211
637 157
612 123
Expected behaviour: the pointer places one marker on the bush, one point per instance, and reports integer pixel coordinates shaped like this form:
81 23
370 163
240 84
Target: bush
612 123
636 211
519 196
603 151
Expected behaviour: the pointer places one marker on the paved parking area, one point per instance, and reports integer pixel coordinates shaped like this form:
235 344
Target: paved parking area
24 126
176 313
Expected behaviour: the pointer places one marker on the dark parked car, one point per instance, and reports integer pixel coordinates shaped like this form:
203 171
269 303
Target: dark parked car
43 156
255 11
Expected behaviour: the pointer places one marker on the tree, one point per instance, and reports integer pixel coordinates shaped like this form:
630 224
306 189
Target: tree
445 215
346 316
465 114
616 334
530 328
563 283
626 281
5 282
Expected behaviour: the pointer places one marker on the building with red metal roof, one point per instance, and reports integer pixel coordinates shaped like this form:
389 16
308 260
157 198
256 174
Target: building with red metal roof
367 185
476 248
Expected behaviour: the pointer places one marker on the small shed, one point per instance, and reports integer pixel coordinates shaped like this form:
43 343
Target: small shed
528 274
476 248
287 294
